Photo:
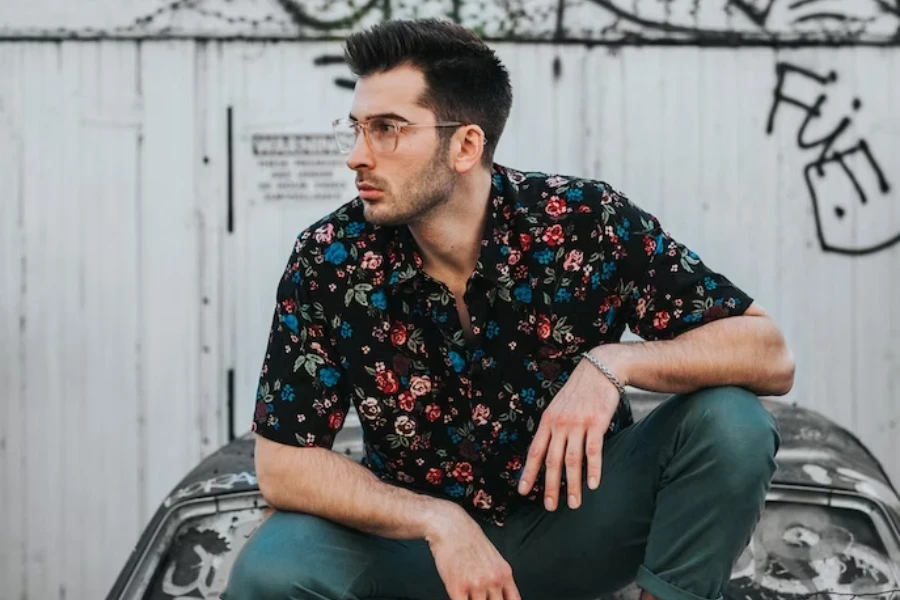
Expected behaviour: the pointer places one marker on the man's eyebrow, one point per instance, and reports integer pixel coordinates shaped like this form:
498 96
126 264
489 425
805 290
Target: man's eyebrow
388 115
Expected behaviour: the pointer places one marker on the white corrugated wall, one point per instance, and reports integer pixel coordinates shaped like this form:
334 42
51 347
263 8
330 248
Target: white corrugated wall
125 300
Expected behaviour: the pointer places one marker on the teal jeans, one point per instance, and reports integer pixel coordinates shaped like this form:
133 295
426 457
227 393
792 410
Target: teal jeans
680 495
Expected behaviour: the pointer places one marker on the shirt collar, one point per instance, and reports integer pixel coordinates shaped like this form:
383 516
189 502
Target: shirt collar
405 262
499 231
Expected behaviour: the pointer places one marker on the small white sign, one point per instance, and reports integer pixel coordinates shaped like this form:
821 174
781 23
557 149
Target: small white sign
299 167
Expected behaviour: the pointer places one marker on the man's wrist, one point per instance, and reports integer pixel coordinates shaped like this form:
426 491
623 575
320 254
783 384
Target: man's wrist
439 518
615 358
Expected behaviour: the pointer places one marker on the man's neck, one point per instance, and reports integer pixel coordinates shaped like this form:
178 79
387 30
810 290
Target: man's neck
449 239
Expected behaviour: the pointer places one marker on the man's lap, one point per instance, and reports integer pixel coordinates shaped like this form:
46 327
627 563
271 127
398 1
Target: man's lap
567 553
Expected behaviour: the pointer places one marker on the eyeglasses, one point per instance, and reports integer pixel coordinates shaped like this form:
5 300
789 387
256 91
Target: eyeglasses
381 133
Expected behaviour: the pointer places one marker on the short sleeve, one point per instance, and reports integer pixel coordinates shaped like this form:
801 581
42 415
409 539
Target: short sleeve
300 398
673 291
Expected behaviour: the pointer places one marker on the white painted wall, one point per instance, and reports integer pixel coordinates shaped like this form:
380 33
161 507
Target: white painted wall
124 300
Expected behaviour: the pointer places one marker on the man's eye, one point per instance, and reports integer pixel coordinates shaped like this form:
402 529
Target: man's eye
382 127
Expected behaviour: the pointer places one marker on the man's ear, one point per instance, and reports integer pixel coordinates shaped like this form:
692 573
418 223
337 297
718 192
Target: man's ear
467 148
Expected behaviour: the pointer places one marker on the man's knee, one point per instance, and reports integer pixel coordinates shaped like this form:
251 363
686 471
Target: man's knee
286 559
255 575
738 432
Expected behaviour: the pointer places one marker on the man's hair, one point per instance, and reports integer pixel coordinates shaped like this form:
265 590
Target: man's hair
465 81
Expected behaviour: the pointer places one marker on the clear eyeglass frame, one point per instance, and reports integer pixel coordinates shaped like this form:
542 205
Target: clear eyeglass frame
381 134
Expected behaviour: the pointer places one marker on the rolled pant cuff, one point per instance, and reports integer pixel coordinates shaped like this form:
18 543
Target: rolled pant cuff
652 584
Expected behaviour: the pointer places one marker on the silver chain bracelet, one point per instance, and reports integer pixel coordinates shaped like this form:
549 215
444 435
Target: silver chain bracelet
605 371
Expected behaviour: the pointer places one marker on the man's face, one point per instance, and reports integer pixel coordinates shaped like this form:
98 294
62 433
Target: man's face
402 186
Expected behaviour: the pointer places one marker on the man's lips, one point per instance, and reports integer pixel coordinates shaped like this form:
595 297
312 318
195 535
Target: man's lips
368 192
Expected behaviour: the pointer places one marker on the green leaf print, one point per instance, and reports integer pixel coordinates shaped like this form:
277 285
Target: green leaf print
308 361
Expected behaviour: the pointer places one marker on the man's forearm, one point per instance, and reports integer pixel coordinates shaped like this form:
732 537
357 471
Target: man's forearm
326 484
747 351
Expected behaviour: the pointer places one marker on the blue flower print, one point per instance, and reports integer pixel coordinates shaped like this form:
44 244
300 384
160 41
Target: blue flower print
455 490
291 322
458 362
379 300
336 253
454 435
563 295
492 330
346 330
544 256
522 293
611 315
660 244
329 376
375 460
355 228
608 269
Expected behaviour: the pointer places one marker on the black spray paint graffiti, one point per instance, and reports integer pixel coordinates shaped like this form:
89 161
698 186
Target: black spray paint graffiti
194 559
629 22
831 202
335 59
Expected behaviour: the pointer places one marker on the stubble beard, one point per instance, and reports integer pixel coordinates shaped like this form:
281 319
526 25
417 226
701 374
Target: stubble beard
426 191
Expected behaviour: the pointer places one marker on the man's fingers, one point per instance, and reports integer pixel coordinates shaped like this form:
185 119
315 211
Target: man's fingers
511 592
594 451
574 461
553 475
496 594
534 460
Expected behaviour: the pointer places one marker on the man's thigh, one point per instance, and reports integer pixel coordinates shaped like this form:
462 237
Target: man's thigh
300 556
598 547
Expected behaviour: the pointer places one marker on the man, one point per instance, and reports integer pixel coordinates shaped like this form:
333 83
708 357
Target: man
473 315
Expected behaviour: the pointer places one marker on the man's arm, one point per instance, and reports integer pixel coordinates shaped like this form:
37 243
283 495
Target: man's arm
322 482
747 351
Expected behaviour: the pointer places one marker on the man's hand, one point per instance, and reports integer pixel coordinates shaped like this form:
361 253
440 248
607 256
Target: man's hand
468 563
572 425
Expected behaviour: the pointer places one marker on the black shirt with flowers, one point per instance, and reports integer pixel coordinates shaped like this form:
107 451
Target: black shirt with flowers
566 264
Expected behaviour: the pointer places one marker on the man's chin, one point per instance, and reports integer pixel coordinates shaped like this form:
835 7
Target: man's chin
376 215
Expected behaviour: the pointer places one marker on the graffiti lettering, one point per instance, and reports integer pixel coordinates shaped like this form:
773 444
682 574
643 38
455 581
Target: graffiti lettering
221 482
835 233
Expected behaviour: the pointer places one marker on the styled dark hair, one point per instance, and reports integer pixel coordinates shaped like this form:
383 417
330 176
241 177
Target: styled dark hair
465 81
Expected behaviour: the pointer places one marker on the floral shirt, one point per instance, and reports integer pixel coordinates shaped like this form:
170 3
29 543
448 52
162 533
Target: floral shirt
566 264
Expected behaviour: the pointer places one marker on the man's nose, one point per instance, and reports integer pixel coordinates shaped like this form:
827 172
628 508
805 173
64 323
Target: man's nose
361 156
